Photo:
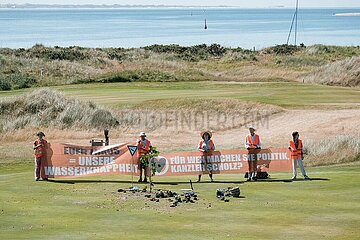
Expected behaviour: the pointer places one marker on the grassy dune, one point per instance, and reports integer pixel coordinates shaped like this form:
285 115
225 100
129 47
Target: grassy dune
44 66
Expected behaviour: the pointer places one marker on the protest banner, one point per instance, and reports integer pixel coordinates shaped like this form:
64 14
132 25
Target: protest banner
72 161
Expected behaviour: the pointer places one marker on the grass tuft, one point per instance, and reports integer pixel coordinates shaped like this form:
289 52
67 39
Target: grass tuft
49 108
340 73
341 149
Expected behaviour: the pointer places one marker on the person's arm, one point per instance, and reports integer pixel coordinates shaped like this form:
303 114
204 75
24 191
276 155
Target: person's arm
213 147
36 146
200 146
259 145
139 145
246 143
302 152
291 148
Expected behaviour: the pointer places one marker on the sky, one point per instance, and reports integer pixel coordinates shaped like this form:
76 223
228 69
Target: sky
238 3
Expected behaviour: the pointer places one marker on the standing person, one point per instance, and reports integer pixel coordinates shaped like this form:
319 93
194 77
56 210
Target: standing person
297 155
40 145
206 145
144 146
252 144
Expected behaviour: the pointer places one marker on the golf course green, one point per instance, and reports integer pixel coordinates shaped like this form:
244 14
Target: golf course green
91 208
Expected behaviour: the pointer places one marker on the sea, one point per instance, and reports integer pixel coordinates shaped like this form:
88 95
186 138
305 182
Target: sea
138 27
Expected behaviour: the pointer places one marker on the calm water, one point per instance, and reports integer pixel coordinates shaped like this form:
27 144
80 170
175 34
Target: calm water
140 27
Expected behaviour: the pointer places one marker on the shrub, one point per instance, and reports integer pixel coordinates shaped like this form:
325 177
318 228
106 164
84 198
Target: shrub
21 81
16 81
283 49
4 85
192 53
146 75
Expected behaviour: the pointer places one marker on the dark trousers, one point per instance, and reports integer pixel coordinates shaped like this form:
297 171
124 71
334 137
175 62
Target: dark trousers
39 167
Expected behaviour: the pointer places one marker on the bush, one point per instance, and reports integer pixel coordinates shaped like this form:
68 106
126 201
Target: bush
16 81
4 85
283 49
20 81
193 53
146 75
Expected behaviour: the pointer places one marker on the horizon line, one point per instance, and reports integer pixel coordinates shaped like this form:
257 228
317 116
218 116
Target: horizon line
36 5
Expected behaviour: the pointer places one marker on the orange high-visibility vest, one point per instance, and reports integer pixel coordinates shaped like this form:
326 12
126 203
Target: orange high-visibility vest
211 144
145 149
252 144
295 152
40 151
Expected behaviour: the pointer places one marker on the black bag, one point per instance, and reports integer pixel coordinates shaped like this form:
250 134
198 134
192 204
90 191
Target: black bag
262 175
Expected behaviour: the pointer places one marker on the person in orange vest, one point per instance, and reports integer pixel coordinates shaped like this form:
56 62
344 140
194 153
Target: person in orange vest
39 146
297 155
143 146
206 145
252 142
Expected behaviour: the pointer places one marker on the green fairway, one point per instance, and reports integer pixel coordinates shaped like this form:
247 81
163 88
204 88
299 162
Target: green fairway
282 94
289 95
319 209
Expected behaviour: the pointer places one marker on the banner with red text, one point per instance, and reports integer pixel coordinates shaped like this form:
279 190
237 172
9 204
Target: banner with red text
72 161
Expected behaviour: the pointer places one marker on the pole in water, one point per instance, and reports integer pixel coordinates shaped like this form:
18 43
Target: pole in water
205 25
294 20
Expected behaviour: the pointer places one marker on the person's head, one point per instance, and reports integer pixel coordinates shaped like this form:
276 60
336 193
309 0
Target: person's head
40 135
206 135
252 130
142 135
295 135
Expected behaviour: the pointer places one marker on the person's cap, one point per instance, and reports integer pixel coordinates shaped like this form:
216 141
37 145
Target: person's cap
252 127
295 133
203 132
40 133
142 134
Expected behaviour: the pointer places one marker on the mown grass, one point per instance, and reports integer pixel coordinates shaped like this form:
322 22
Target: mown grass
319 209
287 95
